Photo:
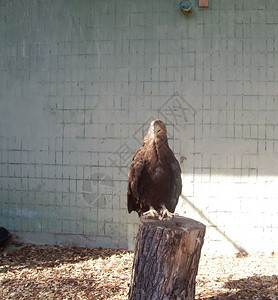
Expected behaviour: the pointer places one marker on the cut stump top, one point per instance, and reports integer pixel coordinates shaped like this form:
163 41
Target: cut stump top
176 223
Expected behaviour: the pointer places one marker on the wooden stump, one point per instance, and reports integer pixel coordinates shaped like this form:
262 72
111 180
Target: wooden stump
166 259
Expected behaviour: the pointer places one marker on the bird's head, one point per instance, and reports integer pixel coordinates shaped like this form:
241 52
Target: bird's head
158 129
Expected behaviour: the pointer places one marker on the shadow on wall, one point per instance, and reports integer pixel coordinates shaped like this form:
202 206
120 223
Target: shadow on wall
204 217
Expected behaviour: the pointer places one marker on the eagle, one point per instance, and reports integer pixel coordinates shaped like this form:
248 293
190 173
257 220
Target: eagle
154 177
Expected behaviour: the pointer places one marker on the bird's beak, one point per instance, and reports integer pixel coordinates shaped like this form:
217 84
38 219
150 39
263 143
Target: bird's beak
156 129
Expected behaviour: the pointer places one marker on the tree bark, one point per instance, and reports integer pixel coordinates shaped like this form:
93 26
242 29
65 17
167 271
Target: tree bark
166 259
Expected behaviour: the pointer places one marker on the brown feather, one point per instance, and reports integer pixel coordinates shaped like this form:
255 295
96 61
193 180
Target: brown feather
154 177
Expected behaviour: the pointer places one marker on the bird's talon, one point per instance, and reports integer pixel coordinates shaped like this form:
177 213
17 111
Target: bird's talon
166 214
151 213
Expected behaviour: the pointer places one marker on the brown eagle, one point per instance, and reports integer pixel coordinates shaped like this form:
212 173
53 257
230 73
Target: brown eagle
154 178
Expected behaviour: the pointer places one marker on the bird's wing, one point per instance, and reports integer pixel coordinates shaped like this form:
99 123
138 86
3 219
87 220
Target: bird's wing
134 175
176 183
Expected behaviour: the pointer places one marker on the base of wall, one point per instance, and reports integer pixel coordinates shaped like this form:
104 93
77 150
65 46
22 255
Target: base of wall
67 239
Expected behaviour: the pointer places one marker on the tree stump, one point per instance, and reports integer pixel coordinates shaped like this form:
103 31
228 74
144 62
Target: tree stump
166 259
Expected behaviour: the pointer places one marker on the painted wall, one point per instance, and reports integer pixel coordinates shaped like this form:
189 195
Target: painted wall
80 82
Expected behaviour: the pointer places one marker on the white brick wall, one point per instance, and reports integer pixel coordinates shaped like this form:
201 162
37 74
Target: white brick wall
78 93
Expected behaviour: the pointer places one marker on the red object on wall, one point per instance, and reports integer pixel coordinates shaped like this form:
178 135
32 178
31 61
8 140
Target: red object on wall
203 3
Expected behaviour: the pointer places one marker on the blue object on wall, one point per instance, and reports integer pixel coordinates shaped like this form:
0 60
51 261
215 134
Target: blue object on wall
185 6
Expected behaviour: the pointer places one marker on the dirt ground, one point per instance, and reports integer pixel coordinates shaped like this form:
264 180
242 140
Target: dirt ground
51 272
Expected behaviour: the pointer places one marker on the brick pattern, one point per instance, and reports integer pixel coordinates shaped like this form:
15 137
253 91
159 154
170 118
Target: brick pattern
80 84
